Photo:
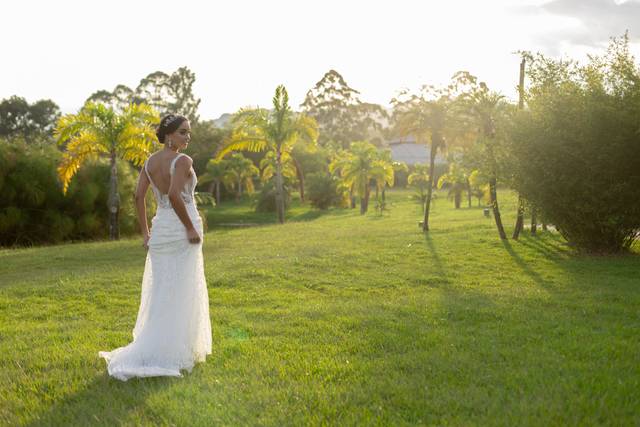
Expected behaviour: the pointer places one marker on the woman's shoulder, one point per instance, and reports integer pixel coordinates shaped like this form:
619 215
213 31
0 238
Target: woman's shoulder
183 158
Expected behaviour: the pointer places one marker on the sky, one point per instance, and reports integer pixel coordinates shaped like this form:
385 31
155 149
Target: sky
240 50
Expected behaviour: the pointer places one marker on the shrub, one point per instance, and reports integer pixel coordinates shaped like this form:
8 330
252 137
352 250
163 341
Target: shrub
577 149
33 209
267 197
323 190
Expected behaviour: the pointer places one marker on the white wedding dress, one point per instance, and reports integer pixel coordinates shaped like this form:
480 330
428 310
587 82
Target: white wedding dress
173 329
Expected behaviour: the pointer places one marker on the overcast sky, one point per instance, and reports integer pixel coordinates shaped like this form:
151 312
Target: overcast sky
240 50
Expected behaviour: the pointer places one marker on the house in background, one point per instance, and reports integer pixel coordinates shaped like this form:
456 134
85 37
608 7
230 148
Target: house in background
407 150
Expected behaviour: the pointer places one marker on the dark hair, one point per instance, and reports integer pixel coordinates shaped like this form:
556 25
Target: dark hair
169 124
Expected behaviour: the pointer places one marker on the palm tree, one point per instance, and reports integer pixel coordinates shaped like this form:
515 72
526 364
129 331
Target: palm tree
240 172
382 174
419 179
483 109
268 167
458 182
297 152
428 115
396 167
216 171
98 130
479 185
339 160
358 169
272 131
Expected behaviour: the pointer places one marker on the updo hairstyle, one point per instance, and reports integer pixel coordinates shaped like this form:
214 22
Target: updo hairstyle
169 124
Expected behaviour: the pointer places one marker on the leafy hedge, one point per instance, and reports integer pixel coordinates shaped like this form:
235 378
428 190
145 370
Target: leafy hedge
33 209
576 150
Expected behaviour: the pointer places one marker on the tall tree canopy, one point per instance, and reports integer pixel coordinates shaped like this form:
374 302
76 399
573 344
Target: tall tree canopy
342 117
32 122
167 93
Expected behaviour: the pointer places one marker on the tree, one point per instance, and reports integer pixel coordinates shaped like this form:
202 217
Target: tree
167 93
206 140
239 173
300 152
479 184
341 116
430 114
33 122
457 180
382 175
269 166
272 131
576 158
382 180
118 99
420 179
363 164
97 130
216 171
520 214
339 161
483 109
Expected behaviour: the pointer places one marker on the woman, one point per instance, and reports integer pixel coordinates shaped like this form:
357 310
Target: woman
173 329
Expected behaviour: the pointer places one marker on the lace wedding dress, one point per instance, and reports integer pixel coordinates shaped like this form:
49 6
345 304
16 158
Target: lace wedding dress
173 329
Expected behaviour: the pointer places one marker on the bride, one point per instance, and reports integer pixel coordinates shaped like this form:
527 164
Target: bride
173 329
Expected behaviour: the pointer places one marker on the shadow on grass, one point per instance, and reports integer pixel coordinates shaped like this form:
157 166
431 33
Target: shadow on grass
318 213
261 219
104 401
534 275
435 257
546 245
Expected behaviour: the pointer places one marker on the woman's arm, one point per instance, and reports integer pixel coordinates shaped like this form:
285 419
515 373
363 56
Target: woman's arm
179 178
141 209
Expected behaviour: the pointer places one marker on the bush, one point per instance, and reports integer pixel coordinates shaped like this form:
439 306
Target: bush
267 197
577 150
323 190
33 209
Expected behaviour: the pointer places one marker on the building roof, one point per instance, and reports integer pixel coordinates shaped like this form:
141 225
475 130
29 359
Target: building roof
411 153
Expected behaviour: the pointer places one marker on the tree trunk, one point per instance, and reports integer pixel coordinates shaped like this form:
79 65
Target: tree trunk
114 200
468 192
352 198
435 140
457 198
217 192
279 189
364 200
496 210
534 221
300 176
520 219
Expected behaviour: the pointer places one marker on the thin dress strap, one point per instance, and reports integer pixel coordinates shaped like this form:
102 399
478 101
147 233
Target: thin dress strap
147 172
172 168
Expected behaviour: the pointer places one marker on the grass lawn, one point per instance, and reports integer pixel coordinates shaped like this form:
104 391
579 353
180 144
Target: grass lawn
336 319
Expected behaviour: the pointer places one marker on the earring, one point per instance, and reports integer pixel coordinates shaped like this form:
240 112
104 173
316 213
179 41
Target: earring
170 144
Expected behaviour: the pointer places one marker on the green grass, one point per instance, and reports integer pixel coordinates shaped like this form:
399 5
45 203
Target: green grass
336 319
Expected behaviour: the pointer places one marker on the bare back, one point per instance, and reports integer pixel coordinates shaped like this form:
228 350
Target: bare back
158 167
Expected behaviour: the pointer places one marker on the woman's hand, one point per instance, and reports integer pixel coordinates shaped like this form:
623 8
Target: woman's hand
193 236
145 241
